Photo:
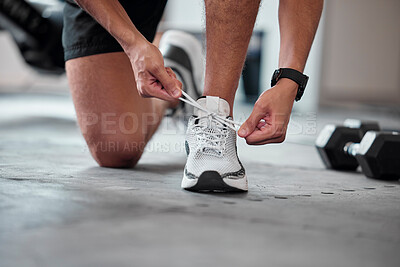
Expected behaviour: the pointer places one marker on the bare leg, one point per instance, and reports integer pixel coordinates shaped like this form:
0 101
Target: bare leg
115 121
229 25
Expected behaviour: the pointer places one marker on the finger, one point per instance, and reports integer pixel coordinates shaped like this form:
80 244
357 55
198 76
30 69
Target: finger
170 72
158 92
150 87
269 141
268 133
259 135
167 82
261 124
251 123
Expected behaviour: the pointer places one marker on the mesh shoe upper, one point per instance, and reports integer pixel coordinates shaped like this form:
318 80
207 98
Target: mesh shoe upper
211 145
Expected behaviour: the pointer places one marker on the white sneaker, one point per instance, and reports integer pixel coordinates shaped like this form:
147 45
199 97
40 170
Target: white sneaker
212 163
183 53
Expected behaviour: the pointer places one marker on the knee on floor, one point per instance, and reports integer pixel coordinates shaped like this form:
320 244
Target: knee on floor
116 151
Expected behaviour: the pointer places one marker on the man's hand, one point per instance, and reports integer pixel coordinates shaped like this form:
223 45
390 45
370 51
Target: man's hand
152 78
271 113
298 22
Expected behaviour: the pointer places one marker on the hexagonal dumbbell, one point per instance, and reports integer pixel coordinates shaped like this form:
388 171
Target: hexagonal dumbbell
378 154
332 139
362 126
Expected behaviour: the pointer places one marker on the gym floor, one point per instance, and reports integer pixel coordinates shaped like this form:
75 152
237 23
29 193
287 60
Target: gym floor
57 208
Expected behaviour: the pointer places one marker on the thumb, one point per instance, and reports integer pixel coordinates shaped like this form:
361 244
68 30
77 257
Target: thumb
251 123
169 83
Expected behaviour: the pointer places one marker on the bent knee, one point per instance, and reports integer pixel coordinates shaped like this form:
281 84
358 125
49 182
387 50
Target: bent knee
118 151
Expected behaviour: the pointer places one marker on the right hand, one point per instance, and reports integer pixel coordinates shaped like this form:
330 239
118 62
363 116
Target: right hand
152 78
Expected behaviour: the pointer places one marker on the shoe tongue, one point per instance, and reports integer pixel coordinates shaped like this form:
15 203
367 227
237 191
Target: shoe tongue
213 104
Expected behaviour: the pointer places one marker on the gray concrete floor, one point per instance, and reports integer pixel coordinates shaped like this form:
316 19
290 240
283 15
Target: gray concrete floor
57 208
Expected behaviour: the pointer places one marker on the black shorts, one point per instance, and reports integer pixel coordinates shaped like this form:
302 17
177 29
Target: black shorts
83 36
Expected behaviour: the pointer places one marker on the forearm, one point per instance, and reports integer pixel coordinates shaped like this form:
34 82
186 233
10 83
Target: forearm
112 16
298 23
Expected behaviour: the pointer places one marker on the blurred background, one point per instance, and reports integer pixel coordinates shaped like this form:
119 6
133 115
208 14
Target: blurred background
354 62
58 208
354 68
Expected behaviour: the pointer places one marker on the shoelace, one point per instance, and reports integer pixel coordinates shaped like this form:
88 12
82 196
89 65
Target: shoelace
212 115
211 141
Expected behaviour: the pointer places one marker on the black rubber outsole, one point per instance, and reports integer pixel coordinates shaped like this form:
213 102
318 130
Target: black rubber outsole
211 181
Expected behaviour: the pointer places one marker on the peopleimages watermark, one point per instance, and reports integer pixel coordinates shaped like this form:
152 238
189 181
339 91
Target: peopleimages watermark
303 124
115 131
118 146
136 147
113 123
129 123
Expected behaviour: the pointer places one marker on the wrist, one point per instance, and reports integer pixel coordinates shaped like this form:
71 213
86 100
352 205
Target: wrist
288 86
133 42
293 62
295 77
296 66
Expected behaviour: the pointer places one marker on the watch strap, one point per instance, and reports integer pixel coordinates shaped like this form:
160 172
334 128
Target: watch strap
295 76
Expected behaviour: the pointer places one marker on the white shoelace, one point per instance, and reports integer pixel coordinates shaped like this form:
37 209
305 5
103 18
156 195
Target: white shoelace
211 140
212 115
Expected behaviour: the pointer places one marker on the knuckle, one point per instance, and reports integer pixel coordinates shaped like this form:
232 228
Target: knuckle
260 105
257 105
143 92
251 124
141 74
279 130
276 135
180 84
169 85
140 90
280 138
249 142
155 69
247 124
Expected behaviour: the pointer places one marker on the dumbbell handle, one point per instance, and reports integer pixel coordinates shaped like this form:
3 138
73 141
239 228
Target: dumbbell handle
351 148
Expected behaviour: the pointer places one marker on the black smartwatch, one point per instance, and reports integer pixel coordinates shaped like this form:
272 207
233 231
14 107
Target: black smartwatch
295 76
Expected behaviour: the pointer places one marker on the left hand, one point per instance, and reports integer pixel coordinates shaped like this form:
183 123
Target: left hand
271 113
152 78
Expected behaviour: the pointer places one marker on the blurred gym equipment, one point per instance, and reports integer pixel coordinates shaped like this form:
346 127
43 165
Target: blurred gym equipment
252 68
36 27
